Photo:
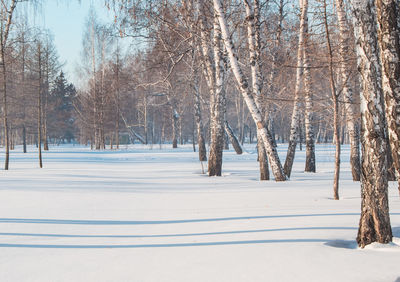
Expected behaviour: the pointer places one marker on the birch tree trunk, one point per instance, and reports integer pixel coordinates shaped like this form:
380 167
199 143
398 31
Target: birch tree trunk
234 140
294 126
272 90
335 100
253 36
217 106
389 32
199 121
308 115
194 6
247 95
347 91
375 221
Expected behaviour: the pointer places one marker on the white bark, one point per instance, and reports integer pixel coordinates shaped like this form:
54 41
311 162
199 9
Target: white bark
294 126
389 43
247 95
253 36
375 221
347 91
217 107
308 115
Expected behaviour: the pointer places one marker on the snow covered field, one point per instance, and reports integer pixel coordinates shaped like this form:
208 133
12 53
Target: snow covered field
150 215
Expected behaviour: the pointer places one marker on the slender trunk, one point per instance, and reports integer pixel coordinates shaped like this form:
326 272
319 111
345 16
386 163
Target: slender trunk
5 28
308 114
39 104
45 139
335 100
272 109
175 118
253 35
262 159
375 220
217 106
336 137
247 95
24 138
146 127
5 112
389 42
232 137
199 124
294 126
347 91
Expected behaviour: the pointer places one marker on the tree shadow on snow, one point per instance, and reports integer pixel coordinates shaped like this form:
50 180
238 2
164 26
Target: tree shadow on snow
342 244
202 244
151 222
175 235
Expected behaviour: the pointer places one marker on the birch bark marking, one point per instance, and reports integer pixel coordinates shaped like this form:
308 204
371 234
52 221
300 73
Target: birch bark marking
253 36
375 221
294 126
217 104
308 115
347 91
247 96
232 137
388 35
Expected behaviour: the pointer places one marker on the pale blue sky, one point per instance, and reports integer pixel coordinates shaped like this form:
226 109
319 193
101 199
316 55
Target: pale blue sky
65 19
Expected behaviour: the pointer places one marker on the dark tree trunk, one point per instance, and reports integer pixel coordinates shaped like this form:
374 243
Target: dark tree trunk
39 104
375 220
24 138
175 118
389 42
262 160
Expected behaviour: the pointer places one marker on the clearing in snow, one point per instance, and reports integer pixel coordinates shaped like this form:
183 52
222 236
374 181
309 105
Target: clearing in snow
148 214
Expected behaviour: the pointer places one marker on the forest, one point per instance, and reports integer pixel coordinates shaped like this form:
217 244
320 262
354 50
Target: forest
215 74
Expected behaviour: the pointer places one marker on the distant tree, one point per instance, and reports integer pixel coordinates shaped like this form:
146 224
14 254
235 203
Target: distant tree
7 9
61 113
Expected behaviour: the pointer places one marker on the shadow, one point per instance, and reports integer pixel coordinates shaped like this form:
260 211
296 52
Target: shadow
47 246
176 235
396 232
151 222
342 244
138 222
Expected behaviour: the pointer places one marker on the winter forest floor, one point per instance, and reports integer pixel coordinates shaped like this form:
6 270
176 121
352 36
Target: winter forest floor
143 214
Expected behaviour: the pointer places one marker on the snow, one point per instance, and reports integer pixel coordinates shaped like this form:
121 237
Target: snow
142 214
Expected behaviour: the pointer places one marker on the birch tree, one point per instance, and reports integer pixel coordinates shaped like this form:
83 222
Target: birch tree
388 13
294 126
346 90
309 108
247 94
335 100
253 37
375 221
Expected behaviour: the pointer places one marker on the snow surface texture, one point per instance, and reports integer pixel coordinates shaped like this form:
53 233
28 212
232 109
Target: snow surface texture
142 214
